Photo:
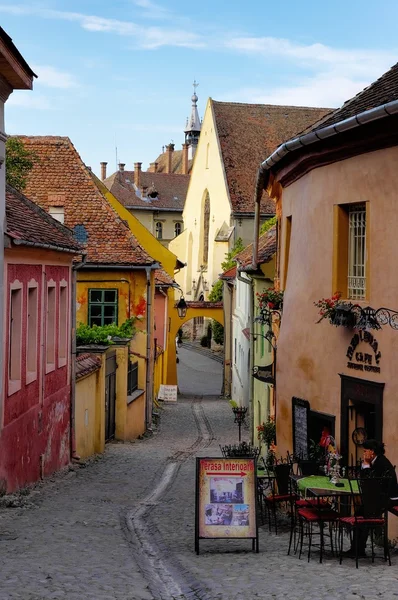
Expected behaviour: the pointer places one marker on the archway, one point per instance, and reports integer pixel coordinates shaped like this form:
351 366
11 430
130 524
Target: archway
209 310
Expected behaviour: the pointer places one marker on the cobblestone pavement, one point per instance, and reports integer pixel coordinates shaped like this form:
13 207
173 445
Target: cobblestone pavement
123 528
198 373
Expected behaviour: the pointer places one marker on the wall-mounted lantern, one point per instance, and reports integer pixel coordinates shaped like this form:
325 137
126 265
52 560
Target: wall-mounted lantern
182 308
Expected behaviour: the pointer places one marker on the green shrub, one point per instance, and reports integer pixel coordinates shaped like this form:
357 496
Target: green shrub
102 335
218 332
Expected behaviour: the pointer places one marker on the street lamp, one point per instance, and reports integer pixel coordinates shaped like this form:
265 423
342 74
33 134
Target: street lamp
182 308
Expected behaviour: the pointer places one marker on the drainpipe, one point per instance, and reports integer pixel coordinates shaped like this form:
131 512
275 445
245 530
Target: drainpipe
148 385
72 438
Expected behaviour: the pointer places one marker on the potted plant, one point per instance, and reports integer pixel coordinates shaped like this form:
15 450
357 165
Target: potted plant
336 311
270 299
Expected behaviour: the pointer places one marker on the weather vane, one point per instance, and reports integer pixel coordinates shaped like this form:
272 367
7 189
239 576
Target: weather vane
195 85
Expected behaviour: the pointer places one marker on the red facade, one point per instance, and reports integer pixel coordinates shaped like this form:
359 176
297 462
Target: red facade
35 432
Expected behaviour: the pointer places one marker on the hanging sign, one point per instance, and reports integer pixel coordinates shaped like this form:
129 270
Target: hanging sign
226 499
365 360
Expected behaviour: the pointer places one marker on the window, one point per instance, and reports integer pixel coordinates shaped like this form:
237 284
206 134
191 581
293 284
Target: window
63 324
288 233
15 325
57 213
357 251
31 335
50 328
102 307
177 229
350 261
132 377
159 230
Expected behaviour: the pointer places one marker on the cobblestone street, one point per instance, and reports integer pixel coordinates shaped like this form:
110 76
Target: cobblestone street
123 528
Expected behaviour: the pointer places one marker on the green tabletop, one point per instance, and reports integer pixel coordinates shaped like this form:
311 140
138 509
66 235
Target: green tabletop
323 483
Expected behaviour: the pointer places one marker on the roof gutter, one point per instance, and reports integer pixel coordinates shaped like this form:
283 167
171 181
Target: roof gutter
307 139
95 266
19 242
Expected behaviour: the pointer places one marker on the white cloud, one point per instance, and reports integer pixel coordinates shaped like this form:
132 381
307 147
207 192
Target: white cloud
52 77
152 10
144 37
29 100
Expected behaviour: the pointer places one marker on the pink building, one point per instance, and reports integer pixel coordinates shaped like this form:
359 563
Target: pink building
36 418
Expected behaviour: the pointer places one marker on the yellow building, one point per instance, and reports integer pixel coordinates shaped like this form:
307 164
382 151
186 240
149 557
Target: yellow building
115 282
219 207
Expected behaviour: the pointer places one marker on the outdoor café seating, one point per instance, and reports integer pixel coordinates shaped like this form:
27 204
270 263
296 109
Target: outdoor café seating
279 492
370 514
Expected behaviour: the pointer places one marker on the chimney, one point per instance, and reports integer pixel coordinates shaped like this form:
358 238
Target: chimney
121 167
184 168
169 158
153 167
144 191
137 174
103 170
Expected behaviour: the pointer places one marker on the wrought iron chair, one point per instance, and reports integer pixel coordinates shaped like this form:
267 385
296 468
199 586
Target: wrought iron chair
371 514
280 492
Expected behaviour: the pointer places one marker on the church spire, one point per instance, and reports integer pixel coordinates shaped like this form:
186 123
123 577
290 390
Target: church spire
193 125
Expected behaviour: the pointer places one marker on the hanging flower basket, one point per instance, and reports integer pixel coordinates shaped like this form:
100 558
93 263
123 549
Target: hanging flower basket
336 311
344 316
270 299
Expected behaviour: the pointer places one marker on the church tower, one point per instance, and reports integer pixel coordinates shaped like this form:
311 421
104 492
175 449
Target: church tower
193 125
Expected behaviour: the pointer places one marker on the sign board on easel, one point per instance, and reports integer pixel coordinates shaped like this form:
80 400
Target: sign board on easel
226 499
168 393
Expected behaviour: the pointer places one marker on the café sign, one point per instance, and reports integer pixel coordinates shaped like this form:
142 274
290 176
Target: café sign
362 360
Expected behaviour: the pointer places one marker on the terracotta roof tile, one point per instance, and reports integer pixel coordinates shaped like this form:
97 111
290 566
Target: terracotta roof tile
176 162
229 274
248 133
381 91
59 177
266 249
28 224
163 279
86 364
170 190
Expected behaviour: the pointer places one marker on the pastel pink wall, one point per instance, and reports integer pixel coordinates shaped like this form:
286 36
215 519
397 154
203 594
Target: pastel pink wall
311 356
35 420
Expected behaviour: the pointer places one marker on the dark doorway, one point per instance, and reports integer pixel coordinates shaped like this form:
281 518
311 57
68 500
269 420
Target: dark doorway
317 422
110 395
361 407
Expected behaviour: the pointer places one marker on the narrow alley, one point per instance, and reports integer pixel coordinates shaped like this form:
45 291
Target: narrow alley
123 527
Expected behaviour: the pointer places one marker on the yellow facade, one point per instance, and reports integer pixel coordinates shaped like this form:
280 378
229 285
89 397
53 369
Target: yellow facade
90 414
168 262
207 177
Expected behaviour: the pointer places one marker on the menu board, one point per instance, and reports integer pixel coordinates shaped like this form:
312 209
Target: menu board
300 410
226 499
168 393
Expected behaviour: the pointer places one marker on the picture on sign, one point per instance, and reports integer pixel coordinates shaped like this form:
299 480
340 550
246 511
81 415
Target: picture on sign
167 393
226 498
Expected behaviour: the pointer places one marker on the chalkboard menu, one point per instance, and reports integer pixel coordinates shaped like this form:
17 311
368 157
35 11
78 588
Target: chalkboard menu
300 410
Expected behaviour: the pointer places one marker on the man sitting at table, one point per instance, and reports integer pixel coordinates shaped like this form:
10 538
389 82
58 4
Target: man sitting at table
374 464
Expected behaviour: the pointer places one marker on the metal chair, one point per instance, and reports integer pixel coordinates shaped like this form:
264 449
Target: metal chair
371 514
280 492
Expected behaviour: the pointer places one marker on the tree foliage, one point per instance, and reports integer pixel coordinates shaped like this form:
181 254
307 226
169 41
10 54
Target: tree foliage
266 226
229 261
19 162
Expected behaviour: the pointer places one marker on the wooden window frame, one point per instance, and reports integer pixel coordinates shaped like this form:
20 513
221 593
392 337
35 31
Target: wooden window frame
103 304
14 384
63 320
32 332
51 326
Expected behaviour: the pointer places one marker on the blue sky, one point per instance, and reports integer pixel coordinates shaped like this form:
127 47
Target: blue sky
119 73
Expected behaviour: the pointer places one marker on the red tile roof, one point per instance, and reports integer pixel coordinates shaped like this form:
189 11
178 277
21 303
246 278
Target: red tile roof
229 274
86 364
60 178
381 91
28 224
176 162
248 133
266 250
169 190
163 279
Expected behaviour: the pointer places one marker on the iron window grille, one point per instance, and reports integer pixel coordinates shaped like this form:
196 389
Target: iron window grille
102 307
357 251
132 377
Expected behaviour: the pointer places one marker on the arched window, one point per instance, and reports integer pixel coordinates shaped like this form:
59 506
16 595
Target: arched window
206 227
159 230
177 229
